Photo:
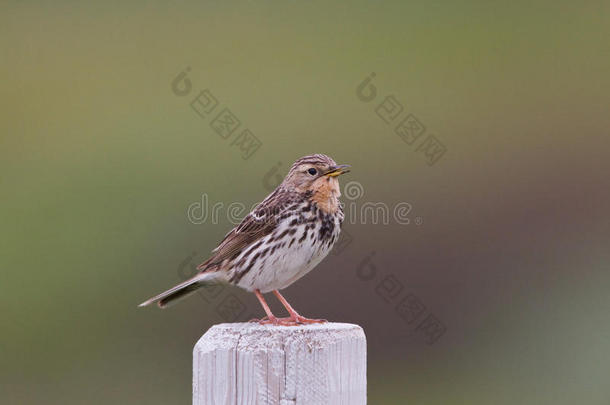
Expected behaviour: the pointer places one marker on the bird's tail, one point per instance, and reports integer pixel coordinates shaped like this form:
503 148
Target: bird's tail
182 290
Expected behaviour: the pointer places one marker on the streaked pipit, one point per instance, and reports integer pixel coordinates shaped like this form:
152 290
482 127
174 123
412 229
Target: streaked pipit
280 241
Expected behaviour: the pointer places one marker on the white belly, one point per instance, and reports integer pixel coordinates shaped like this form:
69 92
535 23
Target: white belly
291 260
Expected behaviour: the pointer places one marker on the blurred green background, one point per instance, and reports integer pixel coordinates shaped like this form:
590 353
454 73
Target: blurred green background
100 160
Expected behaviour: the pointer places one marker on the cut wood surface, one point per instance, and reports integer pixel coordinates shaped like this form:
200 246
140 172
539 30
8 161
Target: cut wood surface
248 363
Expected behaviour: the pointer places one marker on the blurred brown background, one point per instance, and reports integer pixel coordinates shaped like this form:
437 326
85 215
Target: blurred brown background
500 278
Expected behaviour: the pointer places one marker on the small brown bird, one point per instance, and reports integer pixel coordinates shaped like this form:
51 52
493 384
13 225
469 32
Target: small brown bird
280 241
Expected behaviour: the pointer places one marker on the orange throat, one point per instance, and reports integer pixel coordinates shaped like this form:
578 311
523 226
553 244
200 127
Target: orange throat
326 194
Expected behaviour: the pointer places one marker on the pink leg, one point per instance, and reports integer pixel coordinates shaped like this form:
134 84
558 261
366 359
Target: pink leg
294 315
261 299
271 319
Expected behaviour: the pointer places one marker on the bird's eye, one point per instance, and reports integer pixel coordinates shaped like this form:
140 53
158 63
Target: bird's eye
312 171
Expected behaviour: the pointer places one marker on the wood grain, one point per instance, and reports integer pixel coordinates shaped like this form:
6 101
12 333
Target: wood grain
248 364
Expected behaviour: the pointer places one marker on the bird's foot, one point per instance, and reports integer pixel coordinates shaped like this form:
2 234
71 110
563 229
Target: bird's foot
294 320
290 321
304 321
278 321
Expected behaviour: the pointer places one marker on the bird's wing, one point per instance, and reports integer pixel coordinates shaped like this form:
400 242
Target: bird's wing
257 224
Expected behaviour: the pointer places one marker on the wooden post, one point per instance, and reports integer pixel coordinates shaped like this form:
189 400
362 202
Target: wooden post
248 364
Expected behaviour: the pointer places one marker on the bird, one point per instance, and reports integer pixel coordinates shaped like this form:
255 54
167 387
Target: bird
284 237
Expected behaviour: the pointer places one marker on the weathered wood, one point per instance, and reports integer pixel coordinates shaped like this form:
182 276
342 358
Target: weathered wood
248 363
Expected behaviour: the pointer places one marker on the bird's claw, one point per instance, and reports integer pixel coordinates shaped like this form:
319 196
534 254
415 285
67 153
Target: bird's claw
302 320
290 321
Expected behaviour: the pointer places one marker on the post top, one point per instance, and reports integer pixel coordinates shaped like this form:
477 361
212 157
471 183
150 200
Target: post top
253 335
255 326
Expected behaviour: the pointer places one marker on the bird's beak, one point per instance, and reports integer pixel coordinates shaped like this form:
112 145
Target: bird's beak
337 170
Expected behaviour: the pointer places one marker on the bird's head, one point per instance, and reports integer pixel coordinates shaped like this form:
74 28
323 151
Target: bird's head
317 174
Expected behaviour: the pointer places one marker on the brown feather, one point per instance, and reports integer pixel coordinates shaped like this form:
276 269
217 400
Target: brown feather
261 222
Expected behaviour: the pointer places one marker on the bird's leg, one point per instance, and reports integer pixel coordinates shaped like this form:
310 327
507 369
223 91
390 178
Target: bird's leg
294 315
270 318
